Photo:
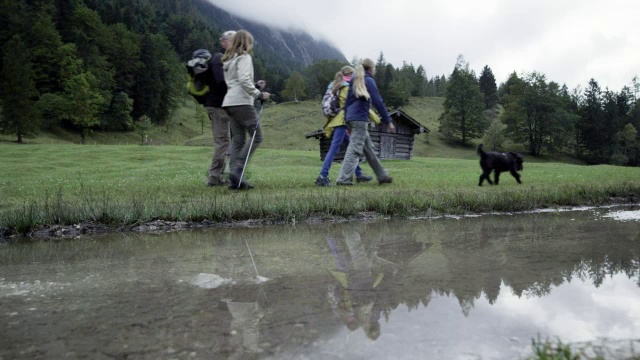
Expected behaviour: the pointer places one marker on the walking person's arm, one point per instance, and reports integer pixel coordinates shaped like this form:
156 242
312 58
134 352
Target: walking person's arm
245 76
376 100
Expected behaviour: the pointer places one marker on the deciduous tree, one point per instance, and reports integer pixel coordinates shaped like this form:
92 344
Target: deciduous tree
295 87
494 137
84 102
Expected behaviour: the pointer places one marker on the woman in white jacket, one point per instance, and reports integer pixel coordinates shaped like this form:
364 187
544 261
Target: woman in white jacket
239 102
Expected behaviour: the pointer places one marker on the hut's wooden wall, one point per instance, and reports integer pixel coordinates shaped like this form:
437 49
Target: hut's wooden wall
325 144
392 146
387 146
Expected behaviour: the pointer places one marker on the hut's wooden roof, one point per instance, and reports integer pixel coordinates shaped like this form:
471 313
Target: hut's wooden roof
398 115
412 123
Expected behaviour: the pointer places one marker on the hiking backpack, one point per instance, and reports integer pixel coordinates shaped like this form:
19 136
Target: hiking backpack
196 69
330 104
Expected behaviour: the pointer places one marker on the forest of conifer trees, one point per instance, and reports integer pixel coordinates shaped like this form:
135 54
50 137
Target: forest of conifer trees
114 64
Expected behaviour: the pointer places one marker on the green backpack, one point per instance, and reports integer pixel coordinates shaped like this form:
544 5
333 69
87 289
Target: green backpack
196 70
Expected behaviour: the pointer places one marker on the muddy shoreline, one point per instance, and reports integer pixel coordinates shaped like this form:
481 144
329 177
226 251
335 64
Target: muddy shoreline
50 232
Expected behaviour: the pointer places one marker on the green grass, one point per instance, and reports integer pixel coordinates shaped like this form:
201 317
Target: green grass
122 185
52 180
185 125
284 126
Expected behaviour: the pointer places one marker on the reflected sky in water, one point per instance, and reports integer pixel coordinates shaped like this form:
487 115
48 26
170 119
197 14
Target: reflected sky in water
576 312
449 288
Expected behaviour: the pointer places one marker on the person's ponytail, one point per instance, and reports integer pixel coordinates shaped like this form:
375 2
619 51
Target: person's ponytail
337 83
359 87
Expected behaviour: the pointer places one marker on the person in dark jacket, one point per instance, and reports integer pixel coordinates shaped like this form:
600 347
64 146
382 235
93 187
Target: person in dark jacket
363 92
212 101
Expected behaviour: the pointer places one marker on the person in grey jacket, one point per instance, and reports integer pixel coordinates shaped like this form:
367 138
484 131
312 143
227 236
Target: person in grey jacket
239 104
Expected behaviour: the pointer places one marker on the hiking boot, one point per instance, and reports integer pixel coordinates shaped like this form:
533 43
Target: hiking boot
323 181
364 178
233 184
349 183
214 182
385 180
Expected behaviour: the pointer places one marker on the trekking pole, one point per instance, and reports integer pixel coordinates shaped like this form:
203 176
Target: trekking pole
250 145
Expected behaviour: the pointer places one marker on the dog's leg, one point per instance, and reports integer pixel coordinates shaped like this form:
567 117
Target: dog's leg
485 176
496 176
516 176
481 179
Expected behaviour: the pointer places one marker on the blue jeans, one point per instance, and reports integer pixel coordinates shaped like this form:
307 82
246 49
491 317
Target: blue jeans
339 135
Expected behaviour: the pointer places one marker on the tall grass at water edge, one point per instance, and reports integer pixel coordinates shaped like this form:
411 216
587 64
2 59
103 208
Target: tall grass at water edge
125 185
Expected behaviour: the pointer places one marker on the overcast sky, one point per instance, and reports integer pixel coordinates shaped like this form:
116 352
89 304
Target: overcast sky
570 41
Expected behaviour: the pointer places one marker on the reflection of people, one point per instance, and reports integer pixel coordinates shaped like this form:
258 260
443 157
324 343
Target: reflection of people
244 327
362 93
239 104
354 299
336 129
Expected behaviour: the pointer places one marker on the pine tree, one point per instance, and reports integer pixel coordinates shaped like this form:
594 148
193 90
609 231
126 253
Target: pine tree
488 87
397 95
319 74
160 84
419 80
531 112
19 91
463 119
591 124
504 89
118 115
441 88
46 42
380 75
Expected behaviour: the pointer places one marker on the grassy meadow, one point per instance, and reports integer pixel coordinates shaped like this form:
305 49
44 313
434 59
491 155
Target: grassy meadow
120 185
114 181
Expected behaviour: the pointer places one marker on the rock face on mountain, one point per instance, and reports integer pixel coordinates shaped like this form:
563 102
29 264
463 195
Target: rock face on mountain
292 45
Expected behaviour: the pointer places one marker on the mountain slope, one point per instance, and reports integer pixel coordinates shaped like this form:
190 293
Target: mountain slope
292 46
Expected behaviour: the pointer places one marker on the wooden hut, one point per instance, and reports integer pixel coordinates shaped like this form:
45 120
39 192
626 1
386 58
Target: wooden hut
396 145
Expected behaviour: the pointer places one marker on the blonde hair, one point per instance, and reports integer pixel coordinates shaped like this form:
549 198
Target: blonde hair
339 78
337 82
359 87
347 70
242 43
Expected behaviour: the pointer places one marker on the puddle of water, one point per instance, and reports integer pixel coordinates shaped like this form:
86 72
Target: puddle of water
630 215
449 288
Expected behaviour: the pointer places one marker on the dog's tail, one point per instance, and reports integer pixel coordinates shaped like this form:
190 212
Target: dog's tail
481 150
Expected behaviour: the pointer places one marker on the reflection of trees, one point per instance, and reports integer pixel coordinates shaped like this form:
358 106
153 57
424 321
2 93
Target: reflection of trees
470 259
530 254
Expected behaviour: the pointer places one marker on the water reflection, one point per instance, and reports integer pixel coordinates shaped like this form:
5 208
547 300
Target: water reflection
403 289
365 272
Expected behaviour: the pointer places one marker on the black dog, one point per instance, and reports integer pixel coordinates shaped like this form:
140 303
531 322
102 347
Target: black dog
499 162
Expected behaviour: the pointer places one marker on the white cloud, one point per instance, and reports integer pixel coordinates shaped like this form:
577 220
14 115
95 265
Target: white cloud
570 41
